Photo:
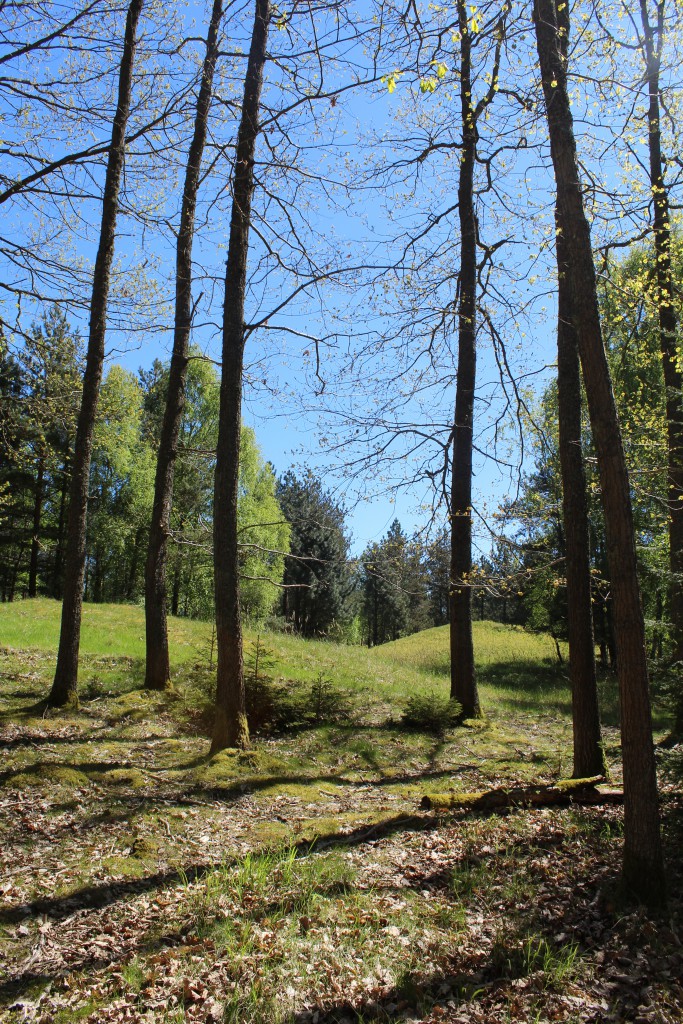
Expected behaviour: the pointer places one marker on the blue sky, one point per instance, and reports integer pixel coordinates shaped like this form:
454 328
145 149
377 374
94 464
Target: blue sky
341 223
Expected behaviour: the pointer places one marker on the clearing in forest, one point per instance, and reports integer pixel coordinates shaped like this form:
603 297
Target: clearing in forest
299 881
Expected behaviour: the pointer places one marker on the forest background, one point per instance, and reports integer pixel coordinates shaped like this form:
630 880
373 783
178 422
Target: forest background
401 187
352 291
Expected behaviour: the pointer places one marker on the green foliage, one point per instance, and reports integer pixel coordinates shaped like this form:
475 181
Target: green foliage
404 585
264 534
278 706
431 713
629 316
122 490
385 601
327 703
317 579
39 396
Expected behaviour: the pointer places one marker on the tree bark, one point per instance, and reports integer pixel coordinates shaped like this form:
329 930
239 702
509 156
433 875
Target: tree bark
57 569
35 538
230 726
463 678
65 686
134 563
643 866
588 753
175 593
157 664
589 758
668 328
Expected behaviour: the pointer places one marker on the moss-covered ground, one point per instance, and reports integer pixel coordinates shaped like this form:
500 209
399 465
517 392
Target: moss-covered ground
298 881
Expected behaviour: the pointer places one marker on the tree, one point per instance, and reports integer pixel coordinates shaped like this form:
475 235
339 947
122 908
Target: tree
438 578
316 578
649 40
463 678
386 608
52 359
263 531
120 491
65 685
42 390
15 472
230 726
157 663
643 868
589 759
58 94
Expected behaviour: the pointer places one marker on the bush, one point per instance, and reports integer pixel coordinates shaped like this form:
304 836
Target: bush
273 705
286 704
431 713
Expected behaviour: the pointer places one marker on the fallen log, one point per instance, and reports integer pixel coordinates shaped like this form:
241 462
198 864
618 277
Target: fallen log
561 794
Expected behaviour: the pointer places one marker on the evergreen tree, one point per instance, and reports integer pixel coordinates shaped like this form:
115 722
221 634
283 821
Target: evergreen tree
41 390
385 604
316 578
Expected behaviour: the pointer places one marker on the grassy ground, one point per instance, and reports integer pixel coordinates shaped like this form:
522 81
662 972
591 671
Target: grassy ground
298 882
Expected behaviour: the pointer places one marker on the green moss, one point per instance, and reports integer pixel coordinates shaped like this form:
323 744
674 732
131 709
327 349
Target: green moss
130 867
569 785
329 825
307 790
145 847
241 766
73 1013
50 775
128 777
270 833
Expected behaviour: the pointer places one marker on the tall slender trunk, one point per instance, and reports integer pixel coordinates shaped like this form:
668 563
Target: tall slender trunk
653 38
65 686
175 593
588 754
158 666
589 758
643 865
230 726
97 581
57 568
15 572
35 538
134 563
463 679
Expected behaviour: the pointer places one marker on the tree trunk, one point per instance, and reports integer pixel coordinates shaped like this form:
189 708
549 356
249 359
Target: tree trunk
230 726
175 593
35 539
589 758
668 322
97 577
65 686
643 866
463 680
15 573
157 665
57 569
134 563
588 754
